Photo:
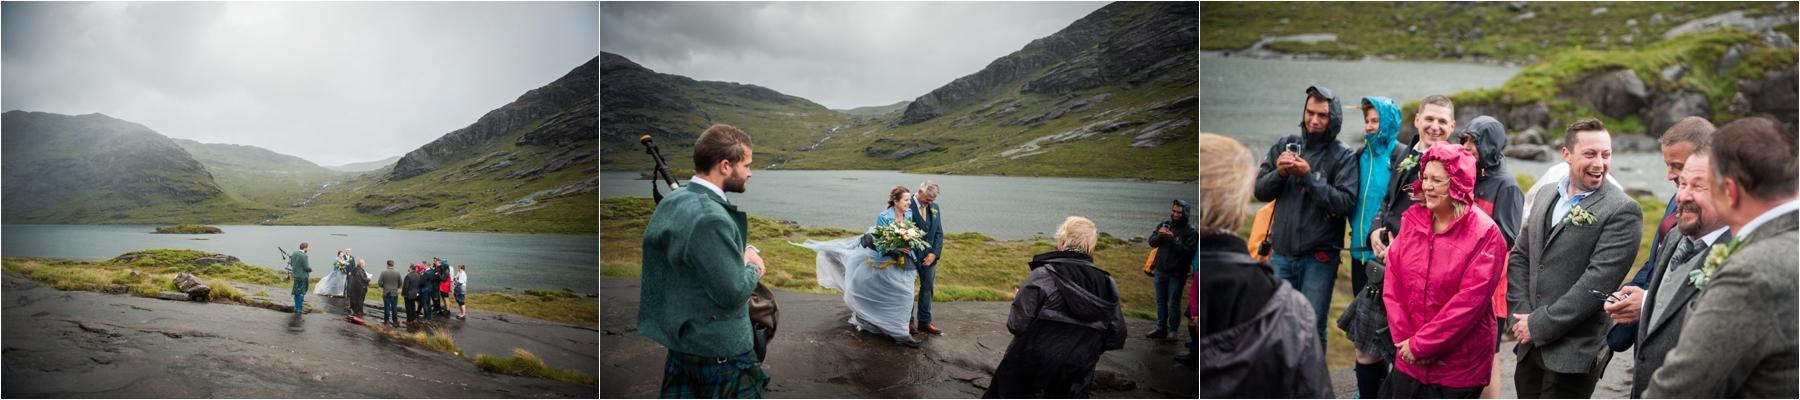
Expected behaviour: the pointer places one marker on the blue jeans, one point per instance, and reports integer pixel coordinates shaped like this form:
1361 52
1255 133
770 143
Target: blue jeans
299 304
1314 279
1169 286
927 278
387 309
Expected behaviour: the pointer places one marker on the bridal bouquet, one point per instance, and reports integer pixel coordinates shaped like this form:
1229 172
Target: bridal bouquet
899 235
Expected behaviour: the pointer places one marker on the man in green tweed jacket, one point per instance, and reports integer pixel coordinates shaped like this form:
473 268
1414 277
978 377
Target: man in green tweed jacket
698 274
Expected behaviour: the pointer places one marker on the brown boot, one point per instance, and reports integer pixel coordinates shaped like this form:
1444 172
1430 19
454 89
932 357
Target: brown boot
912 329
933 329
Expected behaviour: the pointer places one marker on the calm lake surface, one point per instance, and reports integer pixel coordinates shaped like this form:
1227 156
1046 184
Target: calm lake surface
1001 207
495 260
1257 101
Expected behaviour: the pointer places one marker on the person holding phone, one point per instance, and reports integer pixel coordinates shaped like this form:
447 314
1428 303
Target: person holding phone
1313 179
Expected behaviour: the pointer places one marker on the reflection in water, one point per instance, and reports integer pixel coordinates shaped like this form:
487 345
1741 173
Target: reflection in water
296 324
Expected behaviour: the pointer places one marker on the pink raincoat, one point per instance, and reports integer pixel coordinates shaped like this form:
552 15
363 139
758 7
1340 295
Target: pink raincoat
1439 287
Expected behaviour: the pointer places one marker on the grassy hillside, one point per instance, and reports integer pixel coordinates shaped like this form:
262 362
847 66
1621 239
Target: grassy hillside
465 196
1436 30
981 140
1548 81
95 169
261 176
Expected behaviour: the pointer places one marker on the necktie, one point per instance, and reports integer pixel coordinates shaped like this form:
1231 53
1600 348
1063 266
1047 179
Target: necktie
1675 274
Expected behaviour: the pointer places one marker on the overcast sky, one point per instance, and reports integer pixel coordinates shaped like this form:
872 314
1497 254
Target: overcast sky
841 55
333 83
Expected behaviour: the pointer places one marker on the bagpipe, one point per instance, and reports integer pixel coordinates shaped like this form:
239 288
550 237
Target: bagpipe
764 313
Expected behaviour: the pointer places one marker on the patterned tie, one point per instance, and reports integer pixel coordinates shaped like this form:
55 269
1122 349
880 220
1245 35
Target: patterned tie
1675 275
1686 251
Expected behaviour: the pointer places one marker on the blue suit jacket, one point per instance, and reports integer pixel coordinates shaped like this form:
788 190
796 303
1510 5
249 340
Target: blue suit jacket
931 220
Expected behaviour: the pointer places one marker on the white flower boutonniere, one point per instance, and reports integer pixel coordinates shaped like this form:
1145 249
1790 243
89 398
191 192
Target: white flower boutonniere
1580 216
1714 258
1409 162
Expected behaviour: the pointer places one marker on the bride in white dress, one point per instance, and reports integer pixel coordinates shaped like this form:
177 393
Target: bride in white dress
333 283
878 284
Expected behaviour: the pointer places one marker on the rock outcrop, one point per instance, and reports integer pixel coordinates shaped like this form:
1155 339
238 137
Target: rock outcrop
571 92
1130 42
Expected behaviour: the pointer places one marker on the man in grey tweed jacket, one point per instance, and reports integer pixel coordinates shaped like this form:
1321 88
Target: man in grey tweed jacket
1740 337
1582 236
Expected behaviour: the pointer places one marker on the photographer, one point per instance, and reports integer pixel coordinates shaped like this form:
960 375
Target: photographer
1314 178
1174 241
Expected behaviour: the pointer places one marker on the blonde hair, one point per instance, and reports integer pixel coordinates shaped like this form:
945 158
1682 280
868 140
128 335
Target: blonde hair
1076 234
1227 172
928 189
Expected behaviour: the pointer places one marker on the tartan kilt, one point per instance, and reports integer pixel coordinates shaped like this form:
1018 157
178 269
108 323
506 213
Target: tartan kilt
687 376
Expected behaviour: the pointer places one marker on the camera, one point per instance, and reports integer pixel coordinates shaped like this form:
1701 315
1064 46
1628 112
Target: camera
1293 147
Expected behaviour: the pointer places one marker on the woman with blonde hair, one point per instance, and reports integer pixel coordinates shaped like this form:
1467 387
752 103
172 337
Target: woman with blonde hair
1258 334
1064 315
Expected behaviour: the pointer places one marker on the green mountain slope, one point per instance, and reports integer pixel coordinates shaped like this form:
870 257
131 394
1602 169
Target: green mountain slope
527 166
94 169
1112 95
259 175
636 101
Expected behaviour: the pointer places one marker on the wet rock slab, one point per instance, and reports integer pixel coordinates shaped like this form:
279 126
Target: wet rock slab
817 354
83 344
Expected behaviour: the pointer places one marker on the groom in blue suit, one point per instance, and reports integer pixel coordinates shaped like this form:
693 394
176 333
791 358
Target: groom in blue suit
925 215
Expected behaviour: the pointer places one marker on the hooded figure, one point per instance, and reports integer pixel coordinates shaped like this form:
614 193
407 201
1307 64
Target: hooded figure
1176 251
1065 314
1495 190
1439 289
1374 171
1307 232
1311 211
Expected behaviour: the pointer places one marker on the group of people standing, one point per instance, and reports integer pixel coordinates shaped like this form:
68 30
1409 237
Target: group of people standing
699 273
425 287
1449 256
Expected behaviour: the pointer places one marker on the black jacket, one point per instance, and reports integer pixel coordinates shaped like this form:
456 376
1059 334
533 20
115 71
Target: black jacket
1313 209
1492 183
1065 315
1175 254
1270 352
409 286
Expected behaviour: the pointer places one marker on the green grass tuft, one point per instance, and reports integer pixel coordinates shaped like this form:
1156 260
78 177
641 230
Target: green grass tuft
523 363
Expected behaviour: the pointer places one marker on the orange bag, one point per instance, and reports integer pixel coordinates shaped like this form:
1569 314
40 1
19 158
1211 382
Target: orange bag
1150 263
1259 230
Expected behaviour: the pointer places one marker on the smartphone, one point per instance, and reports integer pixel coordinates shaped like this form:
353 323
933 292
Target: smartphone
1608 297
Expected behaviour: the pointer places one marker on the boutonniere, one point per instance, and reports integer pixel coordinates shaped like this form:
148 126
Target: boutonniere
1580 216
1409 162
1714 258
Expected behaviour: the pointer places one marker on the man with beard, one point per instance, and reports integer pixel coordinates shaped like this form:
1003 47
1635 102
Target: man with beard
1658 314
1739 340
698 272
1583 236
1678 143
1312 178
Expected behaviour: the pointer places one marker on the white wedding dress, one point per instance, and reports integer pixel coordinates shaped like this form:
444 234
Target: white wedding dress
878 288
